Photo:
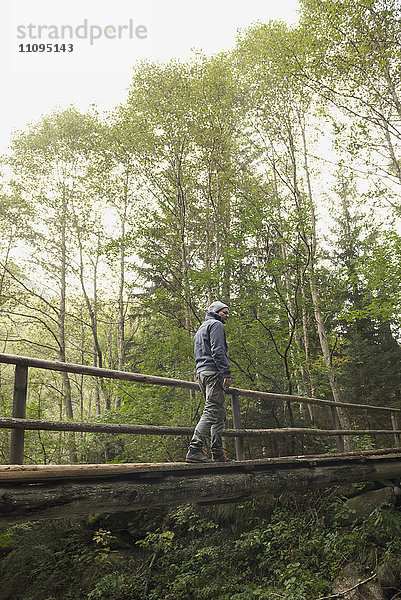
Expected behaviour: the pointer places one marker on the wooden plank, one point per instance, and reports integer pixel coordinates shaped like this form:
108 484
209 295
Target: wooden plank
121 428
117 428
25 502
153 380
52 365
43 472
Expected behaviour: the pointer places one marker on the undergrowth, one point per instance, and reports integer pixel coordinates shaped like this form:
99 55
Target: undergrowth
292 548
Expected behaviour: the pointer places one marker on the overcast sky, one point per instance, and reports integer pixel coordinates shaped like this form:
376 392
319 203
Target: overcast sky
98 70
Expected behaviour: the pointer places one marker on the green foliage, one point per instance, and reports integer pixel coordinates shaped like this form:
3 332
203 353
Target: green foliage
189 520
158 541
102 539
50 560
293 548
113 587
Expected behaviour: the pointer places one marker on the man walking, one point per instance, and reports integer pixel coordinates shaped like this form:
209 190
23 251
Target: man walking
214 378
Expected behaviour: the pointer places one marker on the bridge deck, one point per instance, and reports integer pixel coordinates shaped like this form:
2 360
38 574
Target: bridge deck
40 473
32 492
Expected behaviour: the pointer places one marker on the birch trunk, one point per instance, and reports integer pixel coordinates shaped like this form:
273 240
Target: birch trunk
321 329
66 384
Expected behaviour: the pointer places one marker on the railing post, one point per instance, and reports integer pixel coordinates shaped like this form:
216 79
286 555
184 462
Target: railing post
337 425
239 441
19 411
395 425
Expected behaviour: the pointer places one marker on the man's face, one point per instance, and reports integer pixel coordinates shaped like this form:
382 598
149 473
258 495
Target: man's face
224 314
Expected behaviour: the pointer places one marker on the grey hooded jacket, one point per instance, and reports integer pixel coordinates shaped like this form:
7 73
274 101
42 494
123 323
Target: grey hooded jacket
211 347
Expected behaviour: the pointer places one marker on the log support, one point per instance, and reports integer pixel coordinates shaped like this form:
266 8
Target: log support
19 412
239 441
337 425
148 486
395 425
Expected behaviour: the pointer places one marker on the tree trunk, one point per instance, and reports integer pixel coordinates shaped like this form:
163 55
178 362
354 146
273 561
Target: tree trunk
308 361
66 384
92 310
311 249
121 287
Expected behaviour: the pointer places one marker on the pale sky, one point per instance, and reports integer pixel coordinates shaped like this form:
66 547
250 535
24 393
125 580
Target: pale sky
124 31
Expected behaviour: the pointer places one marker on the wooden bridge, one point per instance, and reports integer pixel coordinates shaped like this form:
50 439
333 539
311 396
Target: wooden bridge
32 492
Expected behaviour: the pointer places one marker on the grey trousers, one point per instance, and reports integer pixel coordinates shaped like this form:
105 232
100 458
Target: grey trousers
211 423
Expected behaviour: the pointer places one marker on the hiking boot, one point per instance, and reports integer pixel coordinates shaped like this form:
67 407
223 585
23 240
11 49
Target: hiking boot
197 456
221 457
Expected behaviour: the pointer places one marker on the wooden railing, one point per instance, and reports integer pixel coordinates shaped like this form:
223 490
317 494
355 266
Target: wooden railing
19 424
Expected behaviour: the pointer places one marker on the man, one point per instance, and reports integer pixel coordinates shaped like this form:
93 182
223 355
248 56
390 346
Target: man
214 378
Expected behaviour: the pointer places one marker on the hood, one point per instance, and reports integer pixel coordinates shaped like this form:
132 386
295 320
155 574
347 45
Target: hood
216 306
212 315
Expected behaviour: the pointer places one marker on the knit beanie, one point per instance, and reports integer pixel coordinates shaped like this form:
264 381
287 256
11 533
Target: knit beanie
216 307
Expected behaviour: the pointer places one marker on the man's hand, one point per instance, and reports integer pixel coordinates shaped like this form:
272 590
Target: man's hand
226 382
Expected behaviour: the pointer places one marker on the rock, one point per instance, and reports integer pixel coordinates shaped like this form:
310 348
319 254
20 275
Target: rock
350 490
386 577
361 506
349 579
